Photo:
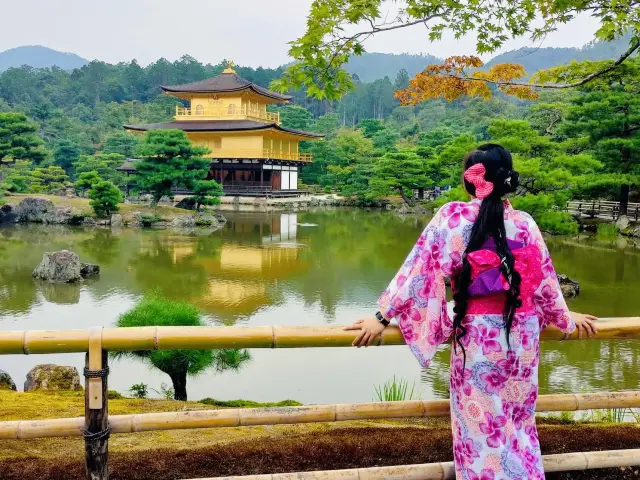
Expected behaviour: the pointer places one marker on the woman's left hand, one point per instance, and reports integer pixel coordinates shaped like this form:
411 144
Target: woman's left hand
370 328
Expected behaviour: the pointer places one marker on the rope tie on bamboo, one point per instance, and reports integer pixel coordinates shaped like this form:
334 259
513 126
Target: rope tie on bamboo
25 348
94 437
102 373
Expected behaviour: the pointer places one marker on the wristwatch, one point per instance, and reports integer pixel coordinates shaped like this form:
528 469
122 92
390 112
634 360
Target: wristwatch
381 319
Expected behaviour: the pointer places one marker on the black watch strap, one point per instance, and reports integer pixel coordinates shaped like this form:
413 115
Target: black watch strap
381 319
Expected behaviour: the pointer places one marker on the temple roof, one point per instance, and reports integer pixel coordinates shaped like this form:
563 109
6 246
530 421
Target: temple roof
224 83
128 165
218 126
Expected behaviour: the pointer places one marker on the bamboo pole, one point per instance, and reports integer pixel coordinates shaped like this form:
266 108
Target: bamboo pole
166 338
564 462
147 422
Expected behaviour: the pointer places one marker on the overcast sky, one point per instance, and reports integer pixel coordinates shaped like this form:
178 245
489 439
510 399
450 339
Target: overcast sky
250 32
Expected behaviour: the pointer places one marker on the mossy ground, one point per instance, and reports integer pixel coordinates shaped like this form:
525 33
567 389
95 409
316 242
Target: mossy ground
81 205
250 450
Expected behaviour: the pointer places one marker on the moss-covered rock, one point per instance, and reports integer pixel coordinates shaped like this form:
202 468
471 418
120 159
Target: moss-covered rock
52 377
6 382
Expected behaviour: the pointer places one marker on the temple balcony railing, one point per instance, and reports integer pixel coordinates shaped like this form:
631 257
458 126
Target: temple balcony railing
218 113
261 153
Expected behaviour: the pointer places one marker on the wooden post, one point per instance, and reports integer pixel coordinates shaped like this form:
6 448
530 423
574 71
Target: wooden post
96 416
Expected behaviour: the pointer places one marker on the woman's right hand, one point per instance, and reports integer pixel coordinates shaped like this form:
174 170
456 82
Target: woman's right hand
584 323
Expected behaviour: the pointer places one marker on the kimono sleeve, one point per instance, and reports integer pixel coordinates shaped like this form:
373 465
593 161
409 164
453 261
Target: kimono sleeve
549 302
416 297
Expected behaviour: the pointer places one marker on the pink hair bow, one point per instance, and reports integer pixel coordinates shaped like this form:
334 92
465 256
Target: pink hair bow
475 176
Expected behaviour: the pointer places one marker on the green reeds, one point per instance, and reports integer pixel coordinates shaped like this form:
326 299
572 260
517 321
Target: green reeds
395 391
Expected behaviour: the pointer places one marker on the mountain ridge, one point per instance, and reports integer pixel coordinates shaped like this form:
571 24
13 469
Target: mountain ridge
368 67
38 56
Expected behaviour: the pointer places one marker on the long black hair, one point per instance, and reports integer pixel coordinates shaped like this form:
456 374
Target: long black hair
498 164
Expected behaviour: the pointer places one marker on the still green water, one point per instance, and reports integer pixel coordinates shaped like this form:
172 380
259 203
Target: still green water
293 269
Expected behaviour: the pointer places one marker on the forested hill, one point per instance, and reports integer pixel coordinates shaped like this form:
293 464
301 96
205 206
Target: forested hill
372 66
39 57
368 67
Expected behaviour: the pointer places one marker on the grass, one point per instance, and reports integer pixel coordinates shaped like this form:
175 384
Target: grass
395 391
164 212
248 403
249 450
607 231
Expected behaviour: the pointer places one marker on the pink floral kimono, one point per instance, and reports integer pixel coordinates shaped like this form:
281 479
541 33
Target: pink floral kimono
493 397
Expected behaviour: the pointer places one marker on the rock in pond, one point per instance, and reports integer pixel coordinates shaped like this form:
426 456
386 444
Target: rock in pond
7 214
33 209
6 382
187 203
206 220
184 221
41 210
89 270
62 267
622 223
116 220
570 288
52 377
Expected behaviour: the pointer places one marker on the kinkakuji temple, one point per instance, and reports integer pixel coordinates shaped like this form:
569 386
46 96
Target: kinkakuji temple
251 152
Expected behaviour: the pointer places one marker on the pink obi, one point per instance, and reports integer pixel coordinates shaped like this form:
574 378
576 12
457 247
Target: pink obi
488 284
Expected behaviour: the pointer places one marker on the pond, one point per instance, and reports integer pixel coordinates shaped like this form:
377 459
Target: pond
292 269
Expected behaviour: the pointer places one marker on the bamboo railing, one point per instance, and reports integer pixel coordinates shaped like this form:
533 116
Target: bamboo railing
578 461
244 417
169 338
96 426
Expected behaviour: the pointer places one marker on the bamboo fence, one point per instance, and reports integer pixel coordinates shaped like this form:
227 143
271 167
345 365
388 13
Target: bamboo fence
445 471
241 417
97 425
168 338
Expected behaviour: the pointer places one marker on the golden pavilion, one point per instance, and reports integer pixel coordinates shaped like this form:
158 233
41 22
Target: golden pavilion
251 152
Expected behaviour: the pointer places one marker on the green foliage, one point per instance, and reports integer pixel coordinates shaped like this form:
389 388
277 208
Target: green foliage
105 197
370 126
335 32
545 210
18 139
165 392
167 159
395 391
65 155
139 390
457 194
399 173
248 403
86 180
121 143
114 395
206 192
105 164
557 223
607 232
17 176
158 311
295 116
51 179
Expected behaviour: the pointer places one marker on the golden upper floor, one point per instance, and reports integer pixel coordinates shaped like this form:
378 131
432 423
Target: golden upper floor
226 97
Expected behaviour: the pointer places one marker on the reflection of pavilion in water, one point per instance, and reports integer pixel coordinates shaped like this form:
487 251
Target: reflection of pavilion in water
243 273
244 278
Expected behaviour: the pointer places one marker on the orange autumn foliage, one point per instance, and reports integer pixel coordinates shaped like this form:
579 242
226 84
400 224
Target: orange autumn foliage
451 80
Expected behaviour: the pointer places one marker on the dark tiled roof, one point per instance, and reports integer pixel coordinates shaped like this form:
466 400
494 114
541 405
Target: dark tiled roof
218 126
129 165
225 82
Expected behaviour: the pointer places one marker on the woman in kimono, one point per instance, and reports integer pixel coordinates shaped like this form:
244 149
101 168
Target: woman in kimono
505 292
